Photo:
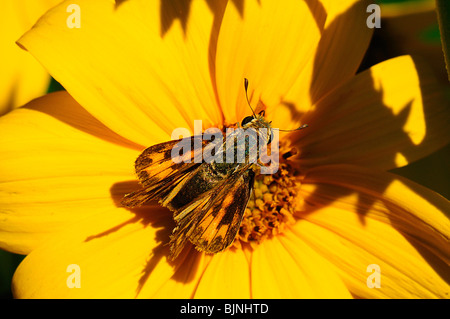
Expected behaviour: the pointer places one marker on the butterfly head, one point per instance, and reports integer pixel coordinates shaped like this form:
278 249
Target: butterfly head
258 122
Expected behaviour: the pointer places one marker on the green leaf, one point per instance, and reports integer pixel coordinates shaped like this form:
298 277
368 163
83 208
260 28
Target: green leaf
8 264
443 9
431 35
54 86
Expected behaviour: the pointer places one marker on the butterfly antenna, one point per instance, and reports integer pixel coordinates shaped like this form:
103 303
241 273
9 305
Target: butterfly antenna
298 128
246 95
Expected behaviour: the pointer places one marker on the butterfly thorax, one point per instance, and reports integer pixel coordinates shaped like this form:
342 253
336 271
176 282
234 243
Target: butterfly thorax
261 126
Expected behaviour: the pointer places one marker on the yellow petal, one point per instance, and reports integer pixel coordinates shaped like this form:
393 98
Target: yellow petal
140 67
409 25
22 78
59 165
227 276
430 171
114 251
180 281
284 267
342 45
357 217
267 43
390 115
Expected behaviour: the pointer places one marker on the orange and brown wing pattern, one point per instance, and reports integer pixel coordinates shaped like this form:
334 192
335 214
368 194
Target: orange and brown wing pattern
159 161
214 222
159 173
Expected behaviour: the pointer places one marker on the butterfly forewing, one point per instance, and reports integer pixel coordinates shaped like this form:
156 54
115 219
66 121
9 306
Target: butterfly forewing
159 174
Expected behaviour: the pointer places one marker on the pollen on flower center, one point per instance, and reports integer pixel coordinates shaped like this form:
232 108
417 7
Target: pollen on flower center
271 206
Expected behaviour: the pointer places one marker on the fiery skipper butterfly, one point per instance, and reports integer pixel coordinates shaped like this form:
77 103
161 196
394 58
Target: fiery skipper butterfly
208 197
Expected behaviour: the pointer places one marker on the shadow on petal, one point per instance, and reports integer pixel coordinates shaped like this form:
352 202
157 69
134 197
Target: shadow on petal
367 124
119 2
418 214
156 216
61 106
179 10
9 105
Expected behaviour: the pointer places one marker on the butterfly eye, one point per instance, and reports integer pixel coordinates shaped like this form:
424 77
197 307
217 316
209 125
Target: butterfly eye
247 120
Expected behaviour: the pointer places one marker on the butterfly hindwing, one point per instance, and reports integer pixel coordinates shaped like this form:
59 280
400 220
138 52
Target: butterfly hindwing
218 227
212 221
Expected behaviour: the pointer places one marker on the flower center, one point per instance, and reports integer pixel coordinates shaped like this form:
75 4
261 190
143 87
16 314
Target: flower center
271 206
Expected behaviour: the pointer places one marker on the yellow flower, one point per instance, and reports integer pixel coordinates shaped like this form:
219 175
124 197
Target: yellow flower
411 28
138 69
22 78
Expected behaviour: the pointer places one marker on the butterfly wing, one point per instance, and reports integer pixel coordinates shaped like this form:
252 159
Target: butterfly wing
160 168
208 199
213 220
